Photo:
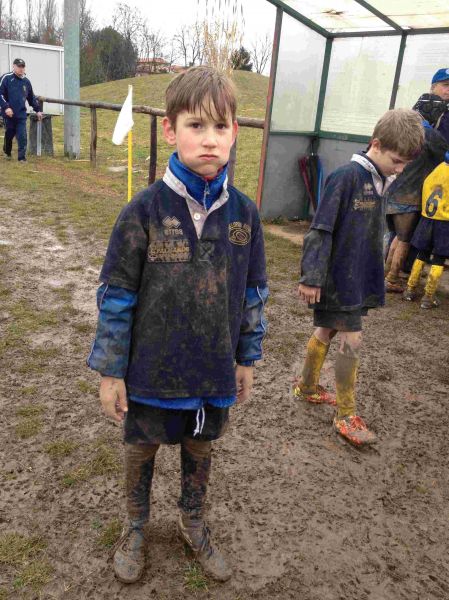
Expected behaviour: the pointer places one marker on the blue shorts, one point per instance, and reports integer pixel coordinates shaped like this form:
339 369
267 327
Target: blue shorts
340 320
432 236
146 424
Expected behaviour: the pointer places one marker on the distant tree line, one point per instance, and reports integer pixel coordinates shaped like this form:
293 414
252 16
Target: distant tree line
112 52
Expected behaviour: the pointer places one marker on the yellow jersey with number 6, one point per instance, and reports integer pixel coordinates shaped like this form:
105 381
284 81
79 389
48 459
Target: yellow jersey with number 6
435 194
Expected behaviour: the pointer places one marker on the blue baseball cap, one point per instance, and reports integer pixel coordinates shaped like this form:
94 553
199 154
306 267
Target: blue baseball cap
440 75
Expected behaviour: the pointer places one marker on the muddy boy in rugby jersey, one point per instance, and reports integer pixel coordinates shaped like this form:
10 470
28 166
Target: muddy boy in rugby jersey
181 320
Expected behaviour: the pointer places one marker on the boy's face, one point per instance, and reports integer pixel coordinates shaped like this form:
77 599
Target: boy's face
387 161
203 142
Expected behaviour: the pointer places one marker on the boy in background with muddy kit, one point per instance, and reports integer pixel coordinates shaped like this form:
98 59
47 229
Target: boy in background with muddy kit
342 269
181 320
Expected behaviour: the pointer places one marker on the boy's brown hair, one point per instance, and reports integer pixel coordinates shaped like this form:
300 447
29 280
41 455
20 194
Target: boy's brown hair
401 131
201 88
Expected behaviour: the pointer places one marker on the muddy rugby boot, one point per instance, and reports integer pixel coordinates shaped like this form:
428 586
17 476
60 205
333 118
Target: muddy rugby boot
129 555
428 302
196 536
354 429
409 295
320 396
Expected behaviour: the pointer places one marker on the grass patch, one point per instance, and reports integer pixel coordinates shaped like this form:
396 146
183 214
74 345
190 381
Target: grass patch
110 534
29 390
30 411
87 388
16 550
29 427
64 293
60 448
104 461
194 579
83 327
34 575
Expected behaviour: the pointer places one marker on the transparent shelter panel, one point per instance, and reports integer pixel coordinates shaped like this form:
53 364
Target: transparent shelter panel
339 15
298 77
424 55
360 82
415 13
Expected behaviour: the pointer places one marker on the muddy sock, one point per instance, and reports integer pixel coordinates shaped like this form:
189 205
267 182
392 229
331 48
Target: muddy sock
390 255
316 354
435 273
415 274
346 365
399 256
195 469
139 466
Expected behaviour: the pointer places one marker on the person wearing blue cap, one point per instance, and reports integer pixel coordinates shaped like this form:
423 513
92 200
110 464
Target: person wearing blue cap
15 90
440 86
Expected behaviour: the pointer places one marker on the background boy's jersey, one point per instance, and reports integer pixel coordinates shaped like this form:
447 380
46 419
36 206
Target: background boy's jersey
343 249
435 195
187 326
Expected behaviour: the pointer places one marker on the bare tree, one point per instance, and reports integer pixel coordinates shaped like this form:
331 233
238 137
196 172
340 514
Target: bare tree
151 44
127 21
261 52
50 26
171 53
2 18
87 23
12 28
189 42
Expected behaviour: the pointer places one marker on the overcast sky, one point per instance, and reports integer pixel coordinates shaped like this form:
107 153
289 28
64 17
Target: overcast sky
169 15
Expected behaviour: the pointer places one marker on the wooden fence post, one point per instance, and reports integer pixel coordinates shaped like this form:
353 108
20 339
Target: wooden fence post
153 150
93 137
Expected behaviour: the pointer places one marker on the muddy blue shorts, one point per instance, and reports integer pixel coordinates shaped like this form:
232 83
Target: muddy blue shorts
432 236
146 424
340 320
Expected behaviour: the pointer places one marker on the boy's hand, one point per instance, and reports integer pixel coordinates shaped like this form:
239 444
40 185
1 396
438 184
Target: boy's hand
113 398
244 382
309 294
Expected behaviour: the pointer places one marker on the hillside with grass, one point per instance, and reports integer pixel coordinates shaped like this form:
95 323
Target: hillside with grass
150 90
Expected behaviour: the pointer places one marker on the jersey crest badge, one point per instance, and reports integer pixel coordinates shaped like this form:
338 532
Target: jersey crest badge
239 233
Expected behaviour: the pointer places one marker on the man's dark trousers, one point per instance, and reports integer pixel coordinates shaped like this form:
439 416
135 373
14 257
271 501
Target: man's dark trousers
18 128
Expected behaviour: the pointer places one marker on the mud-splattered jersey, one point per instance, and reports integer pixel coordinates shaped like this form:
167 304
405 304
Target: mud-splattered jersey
435 195
343 250
191 289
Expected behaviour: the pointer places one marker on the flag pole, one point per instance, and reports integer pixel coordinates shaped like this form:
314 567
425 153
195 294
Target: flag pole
130 164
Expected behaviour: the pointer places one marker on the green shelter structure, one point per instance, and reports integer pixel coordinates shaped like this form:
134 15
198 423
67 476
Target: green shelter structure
337 66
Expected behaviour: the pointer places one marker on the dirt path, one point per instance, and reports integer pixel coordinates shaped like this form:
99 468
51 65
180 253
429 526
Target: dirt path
300 514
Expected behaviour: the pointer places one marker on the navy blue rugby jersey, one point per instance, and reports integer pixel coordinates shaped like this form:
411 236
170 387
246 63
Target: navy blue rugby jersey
191 288
343 251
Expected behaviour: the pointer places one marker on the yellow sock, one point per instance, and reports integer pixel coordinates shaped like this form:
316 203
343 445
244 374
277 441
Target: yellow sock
433 279
415 274
345 378
316 354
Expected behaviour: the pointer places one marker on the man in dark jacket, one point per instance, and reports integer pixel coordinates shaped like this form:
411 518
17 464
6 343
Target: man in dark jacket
440 86
15 90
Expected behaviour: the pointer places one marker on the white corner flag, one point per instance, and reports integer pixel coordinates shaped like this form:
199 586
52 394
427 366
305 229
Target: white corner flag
125 119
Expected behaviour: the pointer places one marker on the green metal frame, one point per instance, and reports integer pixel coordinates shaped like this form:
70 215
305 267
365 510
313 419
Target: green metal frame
323 84
299 17
379 15
397 75
330 37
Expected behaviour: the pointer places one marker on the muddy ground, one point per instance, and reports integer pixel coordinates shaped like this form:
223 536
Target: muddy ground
300 514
